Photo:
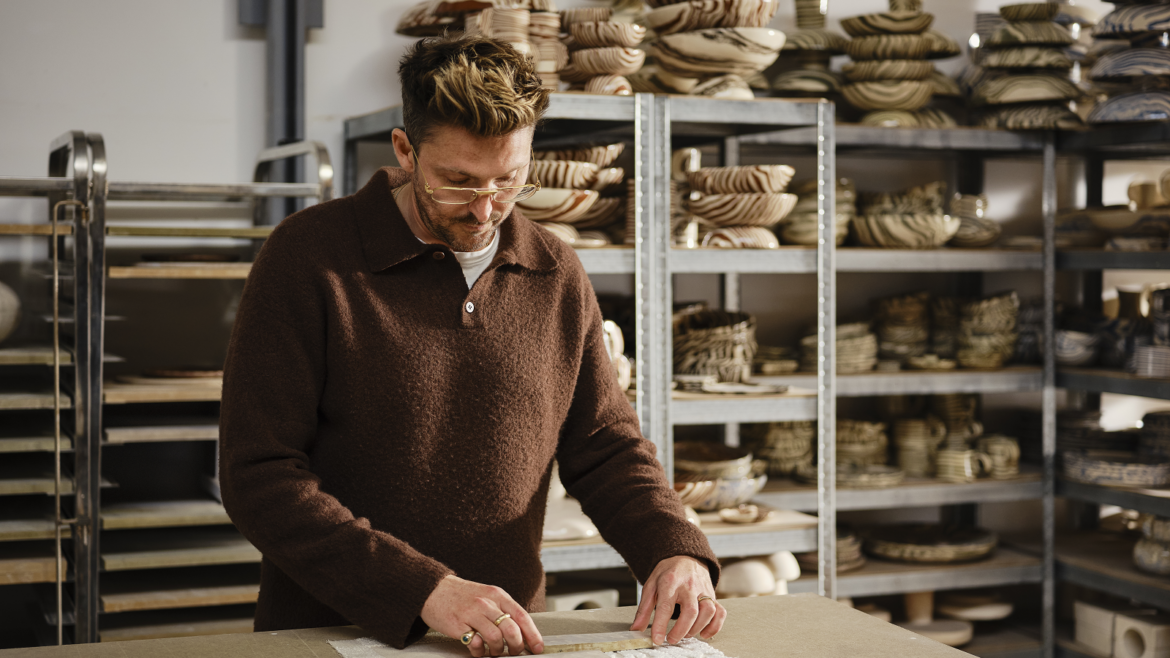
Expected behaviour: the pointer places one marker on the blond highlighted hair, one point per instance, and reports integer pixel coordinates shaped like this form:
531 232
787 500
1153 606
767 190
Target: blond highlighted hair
479 84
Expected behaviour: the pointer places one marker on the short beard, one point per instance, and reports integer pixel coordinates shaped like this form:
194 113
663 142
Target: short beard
444 233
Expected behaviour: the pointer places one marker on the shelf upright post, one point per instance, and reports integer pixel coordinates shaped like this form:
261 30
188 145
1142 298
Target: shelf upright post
1048 405
70 157
652 289
729 154
826 353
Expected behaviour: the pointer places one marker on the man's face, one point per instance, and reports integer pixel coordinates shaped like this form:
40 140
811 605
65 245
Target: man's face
453 157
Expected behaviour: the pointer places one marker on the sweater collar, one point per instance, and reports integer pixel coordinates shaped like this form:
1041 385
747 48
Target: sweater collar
388 241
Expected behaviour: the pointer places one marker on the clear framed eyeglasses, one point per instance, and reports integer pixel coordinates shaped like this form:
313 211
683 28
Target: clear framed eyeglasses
461 196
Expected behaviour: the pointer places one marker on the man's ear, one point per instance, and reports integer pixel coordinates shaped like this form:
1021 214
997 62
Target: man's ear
403 150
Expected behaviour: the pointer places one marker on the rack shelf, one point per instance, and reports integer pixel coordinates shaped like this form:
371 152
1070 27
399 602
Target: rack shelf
119 393
1100 380
607 260
27 519
914 492
158 549
803 260
785 260
27 400
33 444
707 409
27 562
1149 137
857 137
182 271
1152 501
786 531
1006 642
38 355
1005 567
162 514
1105 562
189 231
190 587
158 625
35 229
1067 647
1012 379
1097 259
192 431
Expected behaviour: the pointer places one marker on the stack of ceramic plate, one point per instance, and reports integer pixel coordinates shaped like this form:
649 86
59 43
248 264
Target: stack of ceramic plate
1137 76
785 445
903 326
582 199
917 440
861 443
1152 361
976 229
602 51
849 555
800 227
870 476
1155 434
1030 326
927 542
1029 86
771 360
719 343
1075 348
749 198
1152 551
1116 469
913 219
987 331
856 350
709 48
806 73
944 326
551 55
890 72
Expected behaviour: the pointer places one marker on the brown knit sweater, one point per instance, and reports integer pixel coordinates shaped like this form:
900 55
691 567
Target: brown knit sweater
383 427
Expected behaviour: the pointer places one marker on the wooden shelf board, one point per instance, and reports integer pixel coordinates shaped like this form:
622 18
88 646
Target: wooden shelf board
155 433
32 355
24 562
163 514
26 400
181 588
119 393
35 229
156 549
33 444
185 271
40 483
27 519
1102 380
1005 641
922 492
190 231
178 629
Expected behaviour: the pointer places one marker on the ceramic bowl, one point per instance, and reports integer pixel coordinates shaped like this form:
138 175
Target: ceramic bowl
606 211
705 460
888 94
592 240
564 173
584 15
613 60
810 14
905 231
975 232
653 80
1027 57
890 22
888 69
770 179
1153 105
743 209
1075 348
564 232
609 85
602 155
421 21
741 237
602 34
817 41
1152 556
1029 34
1024 89
888 46
924 118
607 177
699 14
1032 11
1132 19
713 495
905 5
940 46
551 55
544 25
810 83
1127 64
558 204
943 85
725 86
718 51
1032 116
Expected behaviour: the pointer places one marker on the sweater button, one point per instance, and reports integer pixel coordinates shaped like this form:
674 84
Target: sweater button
470 307
438 255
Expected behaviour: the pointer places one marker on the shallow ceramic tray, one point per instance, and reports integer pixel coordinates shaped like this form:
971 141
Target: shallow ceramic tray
929 543
1114 468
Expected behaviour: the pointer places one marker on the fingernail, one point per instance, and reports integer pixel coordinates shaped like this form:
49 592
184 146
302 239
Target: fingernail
659 640
538 648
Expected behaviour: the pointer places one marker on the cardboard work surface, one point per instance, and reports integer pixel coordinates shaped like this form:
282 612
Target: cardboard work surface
799 626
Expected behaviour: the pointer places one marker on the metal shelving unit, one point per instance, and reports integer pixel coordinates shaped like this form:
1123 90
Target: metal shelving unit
915 492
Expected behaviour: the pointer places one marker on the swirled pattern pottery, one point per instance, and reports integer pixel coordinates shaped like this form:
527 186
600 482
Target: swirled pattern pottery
888 46
1027 57
888 94
1134 106
888 69
1029 34
1132 19
1138 62
699 14
718 51
1024 89
891 22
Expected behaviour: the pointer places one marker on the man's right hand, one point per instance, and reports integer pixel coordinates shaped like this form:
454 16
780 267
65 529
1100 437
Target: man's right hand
457 606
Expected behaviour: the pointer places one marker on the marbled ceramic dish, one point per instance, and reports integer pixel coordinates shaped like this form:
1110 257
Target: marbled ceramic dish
724 210
699 14
1032 11
558 204
888 94
770 179
601 155
890 22
602 34
888 46
888 69
1029 34
1138 62
1027 57
563 173
1133 19
718 51
1153 105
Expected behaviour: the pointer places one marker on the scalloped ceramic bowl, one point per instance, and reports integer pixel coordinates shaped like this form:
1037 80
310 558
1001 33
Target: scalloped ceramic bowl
606 211
905 231
607 177
888 69
1024 89
907 95
888 22
573 174
565 232
609 85
558 204
743 51
614 60
743 209
602 155
699 14
1138 62
714 495
888 46
768 179
602 34
1151 105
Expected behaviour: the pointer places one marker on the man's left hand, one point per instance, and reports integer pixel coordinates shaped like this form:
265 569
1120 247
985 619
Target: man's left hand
683 581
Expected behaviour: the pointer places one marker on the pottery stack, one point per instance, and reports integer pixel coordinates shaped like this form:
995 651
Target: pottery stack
902 324
602 51
544 29
1137 77
1155 435
739 206
786 446
891 72
806 73
800 227
987 331
709 47
913 219
581 195
861 443
1152 552
1027 85
975 228
917 440
944 326
857 349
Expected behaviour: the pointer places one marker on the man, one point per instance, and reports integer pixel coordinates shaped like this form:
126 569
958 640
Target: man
405 365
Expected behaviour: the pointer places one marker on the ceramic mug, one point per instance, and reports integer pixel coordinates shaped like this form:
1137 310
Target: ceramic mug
963 465
1144 194
1005 455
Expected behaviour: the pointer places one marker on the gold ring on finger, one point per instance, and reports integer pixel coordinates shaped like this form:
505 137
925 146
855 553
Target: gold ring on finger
467 637
499 620
705 598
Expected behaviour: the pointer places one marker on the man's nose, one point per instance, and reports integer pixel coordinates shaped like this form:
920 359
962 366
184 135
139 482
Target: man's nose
482 208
